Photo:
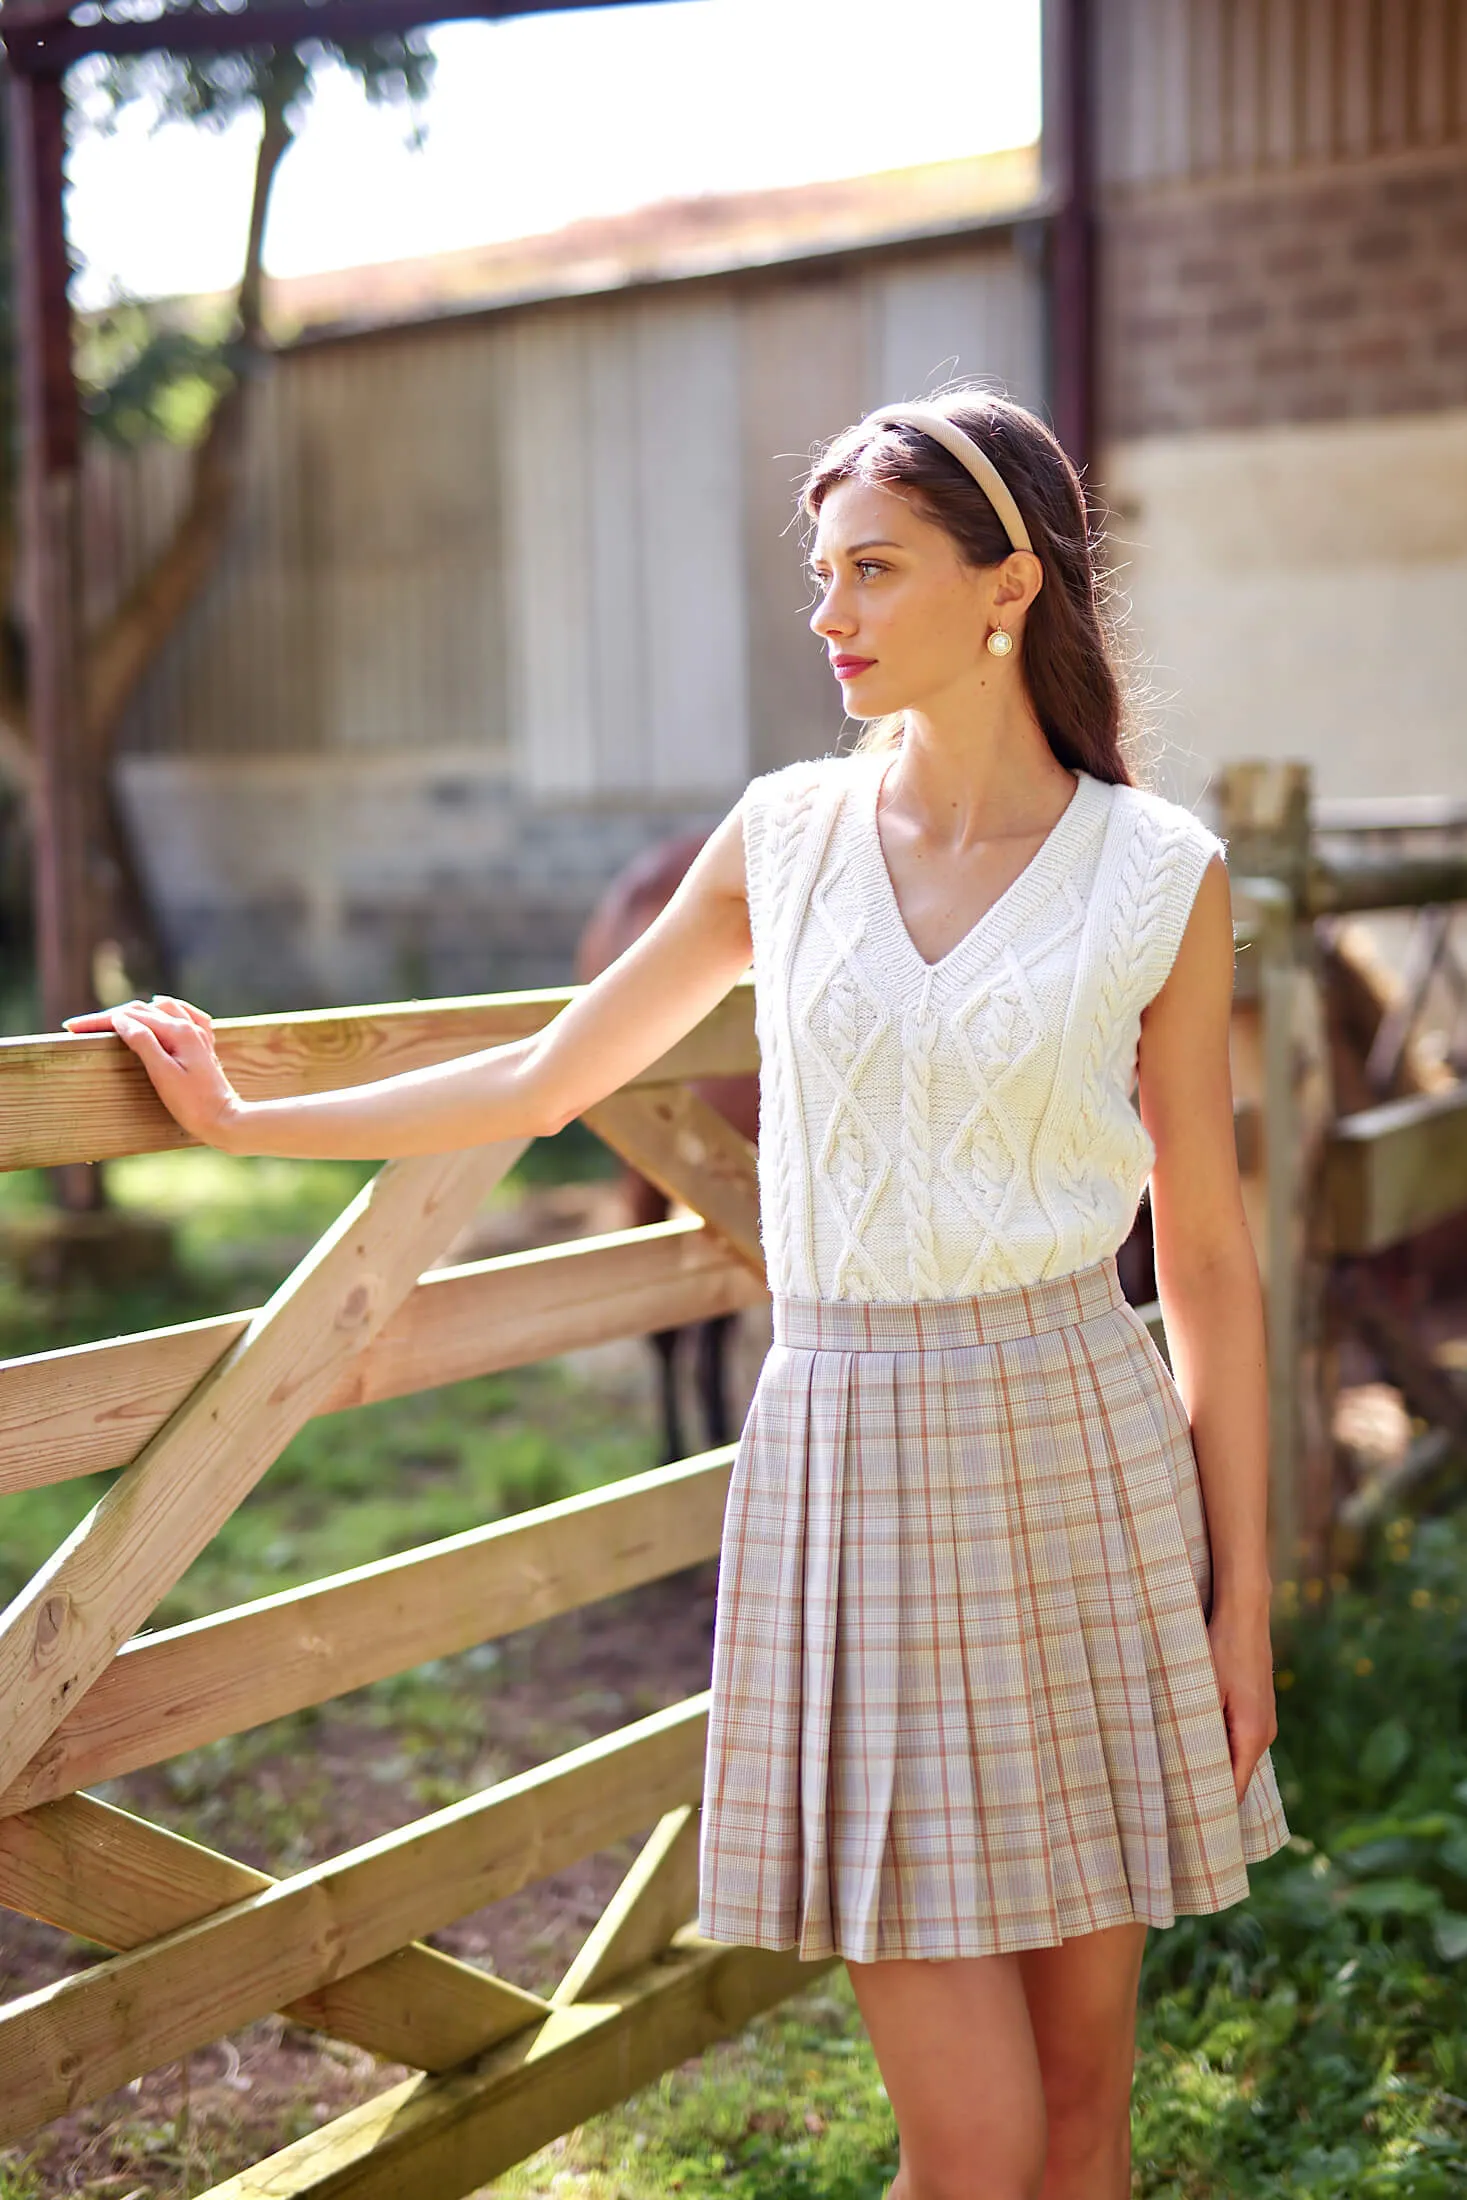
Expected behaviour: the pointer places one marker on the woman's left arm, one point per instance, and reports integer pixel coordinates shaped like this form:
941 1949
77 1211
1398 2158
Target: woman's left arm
1212 1302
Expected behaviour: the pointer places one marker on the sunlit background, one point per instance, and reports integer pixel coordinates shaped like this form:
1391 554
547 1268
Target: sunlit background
549 118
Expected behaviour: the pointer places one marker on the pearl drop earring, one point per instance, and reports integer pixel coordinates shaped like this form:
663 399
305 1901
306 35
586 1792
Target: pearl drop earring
999 643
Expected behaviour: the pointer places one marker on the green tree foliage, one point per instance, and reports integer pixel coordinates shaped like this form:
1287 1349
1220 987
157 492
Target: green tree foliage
150 369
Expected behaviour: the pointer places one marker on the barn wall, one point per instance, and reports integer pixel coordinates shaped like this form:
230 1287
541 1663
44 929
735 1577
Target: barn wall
523 587
1301 591
624 550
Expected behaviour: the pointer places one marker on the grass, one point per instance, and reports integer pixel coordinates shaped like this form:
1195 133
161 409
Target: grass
359 1486
794 2109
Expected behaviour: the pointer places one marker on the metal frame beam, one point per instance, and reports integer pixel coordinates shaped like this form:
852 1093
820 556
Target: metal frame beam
1070 34
68 852
40 42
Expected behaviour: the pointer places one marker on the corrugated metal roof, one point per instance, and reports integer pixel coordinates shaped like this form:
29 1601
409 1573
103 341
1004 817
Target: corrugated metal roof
673 240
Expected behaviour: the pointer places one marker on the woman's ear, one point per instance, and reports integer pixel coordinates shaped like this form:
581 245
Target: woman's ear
1020 578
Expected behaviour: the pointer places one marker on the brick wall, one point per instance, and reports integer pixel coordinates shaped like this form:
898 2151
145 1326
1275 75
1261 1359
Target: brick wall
1337 293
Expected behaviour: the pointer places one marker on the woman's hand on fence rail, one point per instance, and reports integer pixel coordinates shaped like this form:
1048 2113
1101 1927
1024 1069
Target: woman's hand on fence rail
663 985
174 1041
442 1108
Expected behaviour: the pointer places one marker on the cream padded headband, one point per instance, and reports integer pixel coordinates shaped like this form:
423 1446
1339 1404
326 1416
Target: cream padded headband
966 452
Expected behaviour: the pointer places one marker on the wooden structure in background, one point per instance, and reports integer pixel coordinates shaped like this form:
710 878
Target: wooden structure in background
1325 1190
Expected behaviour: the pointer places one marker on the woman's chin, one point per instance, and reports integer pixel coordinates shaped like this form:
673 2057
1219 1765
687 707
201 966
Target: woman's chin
862 699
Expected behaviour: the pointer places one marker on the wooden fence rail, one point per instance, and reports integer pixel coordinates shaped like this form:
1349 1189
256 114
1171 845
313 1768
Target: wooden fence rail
188 1419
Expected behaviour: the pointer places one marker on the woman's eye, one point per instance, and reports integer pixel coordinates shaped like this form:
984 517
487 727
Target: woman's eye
863 566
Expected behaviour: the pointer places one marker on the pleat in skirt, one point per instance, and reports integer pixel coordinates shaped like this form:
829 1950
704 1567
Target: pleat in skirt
963 1700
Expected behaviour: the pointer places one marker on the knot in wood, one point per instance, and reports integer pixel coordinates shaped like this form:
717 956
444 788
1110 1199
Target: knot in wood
51 1622
355 1307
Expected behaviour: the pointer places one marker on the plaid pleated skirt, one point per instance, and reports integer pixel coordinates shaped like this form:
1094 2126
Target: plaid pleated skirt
963 1699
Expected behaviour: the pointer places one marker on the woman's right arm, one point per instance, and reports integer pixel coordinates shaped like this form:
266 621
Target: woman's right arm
659 989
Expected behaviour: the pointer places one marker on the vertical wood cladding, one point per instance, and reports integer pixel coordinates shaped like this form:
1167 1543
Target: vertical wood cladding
1283 223
558 535
1198 88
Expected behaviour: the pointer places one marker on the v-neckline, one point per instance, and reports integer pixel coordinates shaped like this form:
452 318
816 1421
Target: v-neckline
1030 880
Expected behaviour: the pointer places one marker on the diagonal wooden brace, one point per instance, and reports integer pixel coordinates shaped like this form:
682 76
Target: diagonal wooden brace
446 2136
691 1152
64 1628
108 1877
659 1894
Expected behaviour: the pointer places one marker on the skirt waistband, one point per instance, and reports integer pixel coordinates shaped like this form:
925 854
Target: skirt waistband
933 1325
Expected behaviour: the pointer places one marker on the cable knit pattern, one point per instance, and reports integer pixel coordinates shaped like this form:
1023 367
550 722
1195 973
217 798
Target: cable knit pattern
932 1130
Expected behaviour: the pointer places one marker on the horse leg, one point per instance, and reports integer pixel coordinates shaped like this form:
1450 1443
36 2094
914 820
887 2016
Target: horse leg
664 1343
714 1336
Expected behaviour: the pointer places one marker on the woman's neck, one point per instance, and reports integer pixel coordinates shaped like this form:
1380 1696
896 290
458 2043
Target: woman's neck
965 777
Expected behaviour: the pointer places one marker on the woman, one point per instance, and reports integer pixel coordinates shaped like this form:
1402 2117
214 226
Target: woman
992 1685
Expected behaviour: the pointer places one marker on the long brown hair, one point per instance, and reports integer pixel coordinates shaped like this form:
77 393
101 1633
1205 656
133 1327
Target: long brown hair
1069 652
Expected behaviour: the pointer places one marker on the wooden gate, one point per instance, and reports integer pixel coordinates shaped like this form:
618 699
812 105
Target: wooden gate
193 1417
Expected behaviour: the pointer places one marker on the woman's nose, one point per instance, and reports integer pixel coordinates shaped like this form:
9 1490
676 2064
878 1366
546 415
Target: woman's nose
825 618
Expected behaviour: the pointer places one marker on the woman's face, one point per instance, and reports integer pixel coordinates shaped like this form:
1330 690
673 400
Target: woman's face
904 620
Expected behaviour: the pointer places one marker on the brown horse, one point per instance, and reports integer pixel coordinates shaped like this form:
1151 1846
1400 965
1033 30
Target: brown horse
637 894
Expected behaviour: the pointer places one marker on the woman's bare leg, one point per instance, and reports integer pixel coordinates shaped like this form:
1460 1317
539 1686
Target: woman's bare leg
1010 2076
1082 2010
957 2054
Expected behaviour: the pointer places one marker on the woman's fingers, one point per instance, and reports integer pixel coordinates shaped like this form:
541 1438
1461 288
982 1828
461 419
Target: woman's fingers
168 1030
96 1019
1248 1738
178 1056
147 1046
197 1016
174 1041
104 1019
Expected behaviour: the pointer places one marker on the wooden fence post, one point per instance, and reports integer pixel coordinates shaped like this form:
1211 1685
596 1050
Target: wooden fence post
1263 812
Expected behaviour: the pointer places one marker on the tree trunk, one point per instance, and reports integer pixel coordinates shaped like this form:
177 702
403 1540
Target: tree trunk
119 654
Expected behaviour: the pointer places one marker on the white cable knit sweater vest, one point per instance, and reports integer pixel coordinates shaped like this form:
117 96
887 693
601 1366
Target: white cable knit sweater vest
927 1131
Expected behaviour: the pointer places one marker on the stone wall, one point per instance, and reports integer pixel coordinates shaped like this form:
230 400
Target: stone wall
311 882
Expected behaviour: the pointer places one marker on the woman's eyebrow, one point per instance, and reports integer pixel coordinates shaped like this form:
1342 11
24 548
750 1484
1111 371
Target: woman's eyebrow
857 547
